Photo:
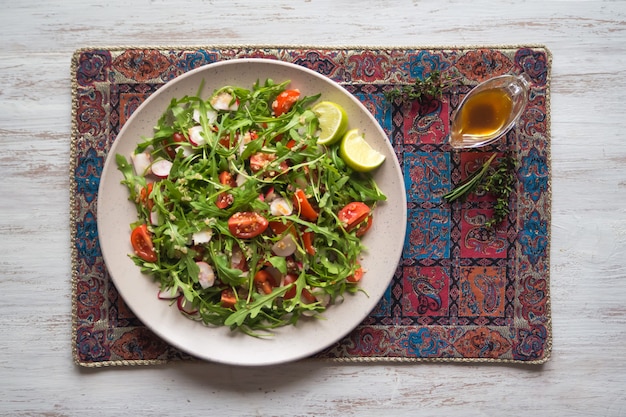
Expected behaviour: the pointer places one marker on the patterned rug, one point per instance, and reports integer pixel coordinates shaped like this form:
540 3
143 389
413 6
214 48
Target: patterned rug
461 292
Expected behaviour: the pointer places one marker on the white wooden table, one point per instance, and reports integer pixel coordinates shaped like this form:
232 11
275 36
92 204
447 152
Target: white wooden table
587 372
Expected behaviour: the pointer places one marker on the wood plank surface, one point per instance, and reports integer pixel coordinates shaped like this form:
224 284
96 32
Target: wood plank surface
586 375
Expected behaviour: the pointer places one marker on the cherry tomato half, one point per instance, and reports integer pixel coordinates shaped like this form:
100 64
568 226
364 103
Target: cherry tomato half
263 281
306 295
225 199
285 101
226 178
280 228
364 226
302 206
226 142
353 214
227 298
356 277
247 224
141 240
260 160
170 149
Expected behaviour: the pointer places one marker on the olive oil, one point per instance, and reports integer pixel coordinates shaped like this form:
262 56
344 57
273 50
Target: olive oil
485 113
489 111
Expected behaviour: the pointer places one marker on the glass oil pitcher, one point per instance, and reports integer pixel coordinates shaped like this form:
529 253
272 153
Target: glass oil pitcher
489 111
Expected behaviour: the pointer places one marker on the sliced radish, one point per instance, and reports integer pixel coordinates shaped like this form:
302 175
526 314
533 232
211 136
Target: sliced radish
161 168
270 195
169 293
236 258
141 163
324 299
185 305
203 236
211 116
155 218
284 247
280 207
196 136
242 146
224 101
206 276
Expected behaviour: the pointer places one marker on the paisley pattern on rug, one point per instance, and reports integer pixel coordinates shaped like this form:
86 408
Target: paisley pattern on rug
461 291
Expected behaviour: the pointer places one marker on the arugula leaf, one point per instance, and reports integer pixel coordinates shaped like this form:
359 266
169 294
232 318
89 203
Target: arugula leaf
253 309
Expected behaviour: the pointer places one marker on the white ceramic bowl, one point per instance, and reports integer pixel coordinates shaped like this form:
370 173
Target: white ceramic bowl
115 213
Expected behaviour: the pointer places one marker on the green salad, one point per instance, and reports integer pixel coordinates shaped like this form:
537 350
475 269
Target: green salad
243 219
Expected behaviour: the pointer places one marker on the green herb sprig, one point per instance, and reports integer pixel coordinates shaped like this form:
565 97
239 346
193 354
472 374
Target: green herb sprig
498 181
431 87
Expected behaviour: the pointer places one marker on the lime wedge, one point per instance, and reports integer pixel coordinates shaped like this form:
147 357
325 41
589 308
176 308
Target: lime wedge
333 122
358 154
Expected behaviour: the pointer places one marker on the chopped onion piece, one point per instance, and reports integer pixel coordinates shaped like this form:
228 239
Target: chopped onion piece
211 116
203 236
141 163
236 258
240 180
206 276
222 101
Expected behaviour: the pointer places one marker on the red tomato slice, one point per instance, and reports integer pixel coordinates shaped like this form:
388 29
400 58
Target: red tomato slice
364 226
302 205
307 297
263 281
291 292
226 178
227 143
279 227
247 224
228 299
260 160
141 240
356 277
353 214
285 101
144 196
307 240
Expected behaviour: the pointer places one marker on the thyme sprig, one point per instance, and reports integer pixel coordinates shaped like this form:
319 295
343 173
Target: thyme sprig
498 181
431 87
